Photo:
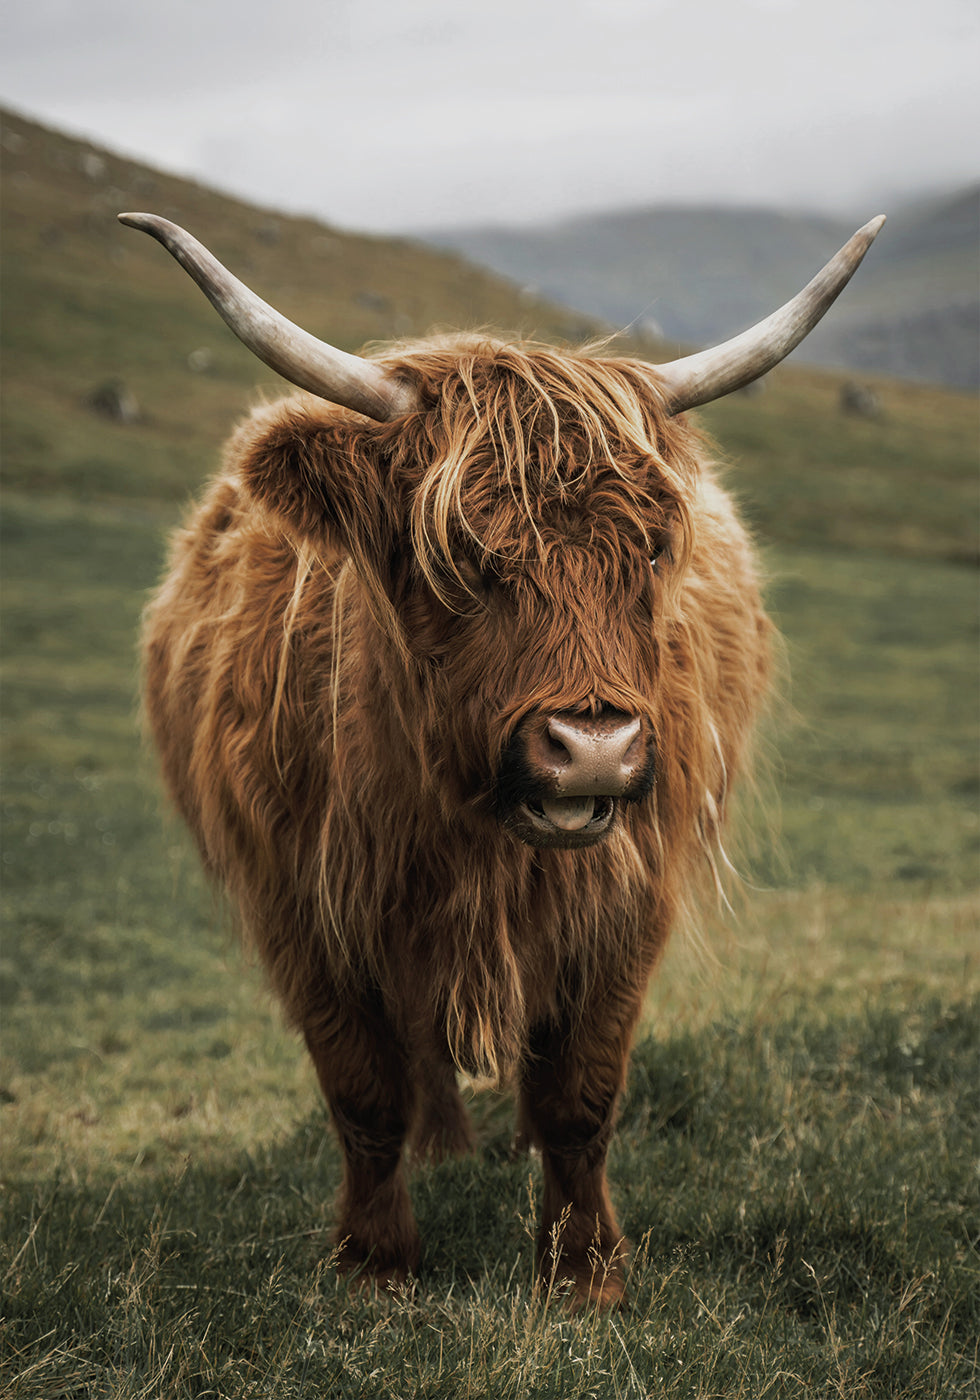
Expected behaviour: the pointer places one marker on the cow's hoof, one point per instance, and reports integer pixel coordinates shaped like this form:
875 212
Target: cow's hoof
592 1293
374 1271
597 1294
596 1283
375 1283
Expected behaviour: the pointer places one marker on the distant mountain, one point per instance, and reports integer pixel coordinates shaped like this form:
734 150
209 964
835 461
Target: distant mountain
696 275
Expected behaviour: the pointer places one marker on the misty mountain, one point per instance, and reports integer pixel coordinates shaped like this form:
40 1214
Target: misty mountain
698 275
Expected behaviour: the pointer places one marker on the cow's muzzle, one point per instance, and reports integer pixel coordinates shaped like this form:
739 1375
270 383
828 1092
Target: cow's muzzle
564 775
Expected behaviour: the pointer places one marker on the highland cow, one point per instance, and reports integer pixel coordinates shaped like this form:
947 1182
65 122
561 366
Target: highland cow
452 673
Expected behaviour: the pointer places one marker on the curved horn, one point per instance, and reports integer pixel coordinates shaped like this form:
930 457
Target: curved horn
294 353
711 374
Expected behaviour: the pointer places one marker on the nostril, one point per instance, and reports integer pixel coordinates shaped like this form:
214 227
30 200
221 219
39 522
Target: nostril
633 740
556 747
545 750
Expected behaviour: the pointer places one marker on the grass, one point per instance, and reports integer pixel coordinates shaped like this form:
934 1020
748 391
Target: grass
796 1160
761 1267
904 484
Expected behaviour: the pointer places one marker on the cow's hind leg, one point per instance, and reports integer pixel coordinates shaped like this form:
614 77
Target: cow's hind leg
363 1073
571 1083
441 1128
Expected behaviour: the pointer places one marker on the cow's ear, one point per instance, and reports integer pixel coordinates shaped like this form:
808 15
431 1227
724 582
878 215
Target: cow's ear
321 470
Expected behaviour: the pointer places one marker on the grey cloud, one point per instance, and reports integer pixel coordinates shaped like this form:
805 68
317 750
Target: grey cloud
392 115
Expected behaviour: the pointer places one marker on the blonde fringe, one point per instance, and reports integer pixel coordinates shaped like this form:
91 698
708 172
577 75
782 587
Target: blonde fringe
493 397
306 561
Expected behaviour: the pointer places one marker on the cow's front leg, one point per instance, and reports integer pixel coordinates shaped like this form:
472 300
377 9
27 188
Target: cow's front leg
571 1083
362 1071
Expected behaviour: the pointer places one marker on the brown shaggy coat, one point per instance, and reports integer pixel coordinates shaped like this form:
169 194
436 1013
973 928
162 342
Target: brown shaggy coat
359 623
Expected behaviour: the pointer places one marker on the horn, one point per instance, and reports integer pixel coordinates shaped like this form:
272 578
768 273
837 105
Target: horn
711 374
294 353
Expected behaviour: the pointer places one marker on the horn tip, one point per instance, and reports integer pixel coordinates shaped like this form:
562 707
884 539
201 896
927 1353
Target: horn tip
873 227
146 223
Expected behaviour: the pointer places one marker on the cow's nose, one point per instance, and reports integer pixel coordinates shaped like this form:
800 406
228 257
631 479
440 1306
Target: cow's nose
589 757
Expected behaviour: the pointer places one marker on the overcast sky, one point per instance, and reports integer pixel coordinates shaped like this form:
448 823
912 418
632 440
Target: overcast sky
407 114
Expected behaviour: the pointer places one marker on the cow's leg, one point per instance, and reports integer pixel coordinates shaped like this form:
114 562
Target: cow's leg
570 1085
363 1073
441 1128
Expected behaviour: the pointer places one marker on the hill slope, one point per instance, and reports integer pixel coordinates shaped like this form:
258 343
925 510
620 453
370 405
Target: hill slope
701 274
88 303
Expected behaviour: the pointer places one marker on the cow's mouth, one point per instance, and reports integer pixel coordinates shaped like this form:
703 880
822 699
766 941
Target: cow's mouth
563 821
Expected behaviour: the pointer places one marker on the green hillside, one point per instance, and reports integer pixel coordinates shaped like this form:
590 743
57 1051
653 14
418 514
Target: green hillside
794 1158
88 302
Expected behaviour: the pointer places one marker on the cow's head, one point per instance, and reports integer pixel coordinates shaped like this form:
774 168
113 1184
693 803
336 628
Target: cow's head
520 517
543 507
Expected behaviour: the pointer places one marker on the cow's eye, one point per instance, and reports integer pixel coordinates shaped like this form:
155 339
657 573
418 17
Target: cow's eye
660 554
471 574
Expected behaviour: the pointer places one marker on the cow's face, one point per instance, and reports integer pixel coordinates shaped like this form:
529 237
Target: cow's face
536 634
519 537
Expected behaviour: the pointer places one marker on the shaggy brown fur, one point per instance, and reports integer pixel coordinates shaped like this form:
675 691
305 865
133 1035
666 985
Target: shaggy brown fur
359 622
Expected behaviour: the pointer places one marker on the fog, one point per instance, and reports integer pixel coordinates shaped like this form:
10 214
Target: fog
392 116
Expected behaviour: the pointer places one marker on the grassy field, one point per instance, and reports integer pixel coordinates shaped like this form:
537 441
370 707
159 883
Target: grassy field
797 1157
